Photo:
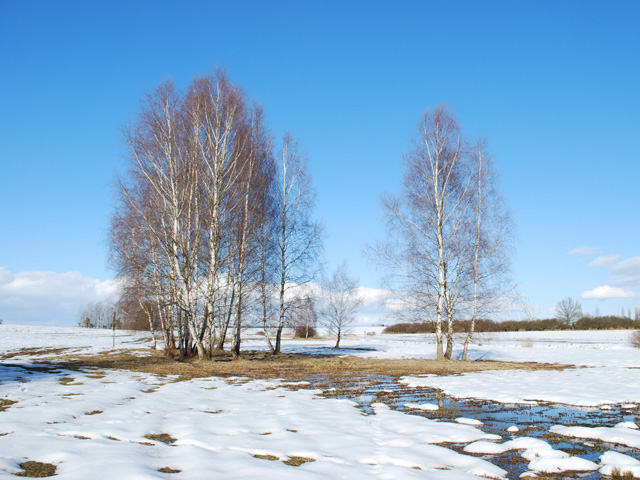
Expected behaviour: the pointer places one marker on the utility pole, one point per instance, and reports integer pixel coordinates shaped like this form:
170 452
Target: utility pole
114 330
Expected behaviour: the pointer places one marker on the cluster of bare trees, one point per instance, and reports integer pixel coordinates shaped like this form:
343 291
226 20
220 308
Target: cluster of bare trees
211 225
303 317
447 253
98 315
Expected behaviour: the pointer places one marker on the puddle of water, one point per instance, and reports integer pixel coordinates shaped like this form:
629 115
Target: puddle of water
532 420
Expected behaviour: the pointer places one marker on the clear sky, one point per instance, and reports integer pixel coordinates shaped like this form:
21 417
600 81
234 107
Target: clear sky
555 86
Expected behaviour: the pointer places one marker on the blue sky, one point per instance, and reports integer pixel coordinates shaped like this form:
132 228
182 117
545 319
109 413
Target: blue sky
553 85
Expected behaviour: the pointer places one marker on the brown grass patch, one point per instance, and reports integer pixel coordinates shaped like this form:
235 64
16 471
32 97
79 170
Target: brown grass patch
95 412
69 381
266 457
6 403
297 461
36 470
169 470
34 351
291 366
160 437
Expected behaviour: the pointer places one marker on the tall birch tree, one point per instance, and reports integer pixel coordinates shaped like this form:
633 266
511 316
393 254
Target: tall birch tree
441 245
299 236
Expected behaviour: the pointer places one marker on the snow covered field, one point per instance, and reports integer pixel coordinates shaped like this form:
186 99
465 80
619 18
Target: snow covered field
105 424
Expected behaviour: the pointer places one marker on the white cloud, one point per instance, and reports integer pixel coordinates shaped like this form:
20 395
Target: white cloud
630 266
48 298
604 261
606 291
627 273
585 251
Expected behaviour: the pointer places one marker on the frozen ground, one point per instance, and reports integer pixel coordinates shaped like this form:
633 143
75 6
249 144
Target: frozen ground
92 424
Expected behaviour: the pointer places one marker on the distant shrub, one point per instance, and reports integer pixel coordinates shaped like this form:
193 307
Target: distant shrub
527 343
305 332
606 323
545 324
409 328
635 339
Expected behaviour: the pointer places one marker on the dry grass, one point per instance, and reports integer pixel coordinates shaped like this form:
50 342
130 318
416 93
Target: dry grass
618 473
297 461
292 367
267 457
161 437
35 351
6 403
527 343
36 470
69 381
169 470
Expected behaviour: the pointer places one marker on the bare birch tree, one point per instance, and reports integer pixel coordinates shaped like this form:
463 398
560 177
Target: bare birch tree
530 311
446 229
341 302
299 237
491 229
425 221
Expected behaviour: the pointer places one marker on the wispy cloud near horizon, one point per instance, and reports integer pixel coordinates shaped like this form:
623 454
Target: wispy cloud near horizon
585 251
604 260
49 298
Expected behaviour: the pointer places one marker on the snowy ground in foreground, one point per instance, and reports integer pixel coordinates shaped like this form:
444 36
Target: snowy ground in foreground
220 426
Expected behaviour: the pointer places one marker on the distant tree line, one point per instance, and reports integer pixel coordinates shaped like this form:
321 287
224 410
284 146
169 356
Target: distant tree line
609 322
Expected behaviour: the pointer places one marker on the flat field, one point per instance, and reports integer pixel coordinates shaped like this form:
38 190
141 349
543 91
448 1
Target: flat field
545 404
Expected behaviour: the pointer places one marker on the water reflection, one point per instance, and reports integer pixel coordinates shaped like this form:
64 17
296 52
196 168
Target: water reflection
531 420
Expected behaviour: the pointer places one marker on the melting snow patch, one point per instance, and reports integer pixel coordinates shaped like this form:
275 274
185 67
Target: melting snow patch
542 457
421 406
557 465
630 425
469 421
621 436
619 464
